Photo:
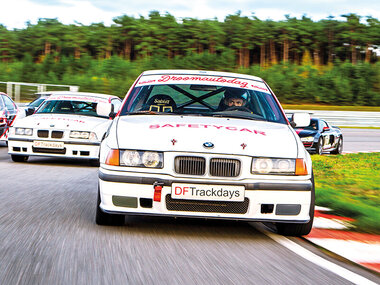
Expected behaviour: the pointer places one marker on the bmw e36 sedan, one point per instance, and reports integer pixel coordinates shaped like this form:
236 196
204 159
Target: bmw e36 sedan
205 144
65 125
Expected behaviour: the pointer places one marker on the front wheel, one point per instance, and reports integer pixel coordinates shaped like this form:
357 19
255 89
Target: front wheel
339 147
19 158
319 147
105 219
296 229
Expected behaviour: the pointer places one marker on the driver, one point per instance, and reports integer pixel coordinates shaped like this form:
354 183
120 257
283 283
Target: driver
234 97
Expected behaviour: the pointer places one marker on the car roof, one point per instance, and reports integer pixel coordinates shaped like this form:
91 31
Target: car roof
99 95
201 72
2 93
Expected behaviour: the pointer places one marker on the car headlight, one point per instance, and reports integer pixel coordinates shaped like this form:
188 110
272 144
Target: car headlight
273 166
307 139
24 131
135 158
82 135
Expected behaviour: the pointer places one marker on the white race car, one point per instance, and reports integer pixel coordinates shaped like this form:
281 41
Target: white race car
205 144
65 125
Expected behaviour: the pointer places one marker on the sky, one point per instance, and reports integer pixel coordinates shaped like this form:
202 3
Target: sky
16 13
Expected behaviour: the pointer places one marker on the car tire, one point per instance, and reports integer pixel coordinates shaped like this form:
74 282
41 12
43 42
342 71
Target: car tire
94 162
19 158
105 219
297 229
339 147
319 146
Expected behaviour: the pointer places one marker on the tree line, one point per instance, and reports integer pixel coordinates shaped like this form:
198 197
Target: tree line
325 62
249 39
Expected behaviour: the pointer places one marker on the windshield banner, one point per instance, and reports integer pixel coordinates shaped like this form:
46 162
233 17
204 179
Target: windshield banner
77 98
202 79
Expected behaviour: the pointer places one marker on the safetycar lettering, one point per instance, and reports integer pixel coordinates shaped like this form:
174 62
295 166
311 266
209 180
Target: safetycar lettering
233 82
203 126
62 119
77 98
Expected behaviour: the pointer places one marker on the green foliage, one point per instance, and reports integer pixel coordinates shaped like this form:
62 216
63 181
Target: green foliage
349 185
323 62
341 84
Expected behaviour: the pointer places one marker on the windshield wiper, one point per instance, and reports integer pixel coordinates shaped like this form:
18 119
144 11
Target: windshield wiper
142 113
239 116
149 113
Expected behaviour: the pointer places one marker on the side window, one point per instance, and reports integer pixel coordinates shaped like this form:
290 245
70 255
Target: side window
9 104
116 105
323 124
1 103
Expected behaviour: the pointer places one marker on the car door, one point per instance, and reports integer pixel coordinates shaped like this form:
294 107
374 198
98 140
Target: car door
3 119
334 136
327 134
11 110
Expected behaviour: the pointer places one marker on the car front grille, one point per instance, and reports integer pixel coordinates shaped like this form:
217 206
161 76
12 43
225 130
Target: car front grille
219 167
43 133
224 167
206 206
190 165
56 134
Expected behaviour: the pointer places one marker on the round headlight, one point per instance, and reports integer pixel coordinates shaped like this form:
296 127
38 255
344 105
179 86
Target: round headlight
28 132
284 165
150 159
131 158
263 165
20 131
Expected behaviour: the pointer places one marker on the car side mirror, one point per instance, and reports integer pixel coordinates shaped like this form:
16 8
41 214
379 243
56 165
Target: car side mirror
29 111
300 120
325 129
105 110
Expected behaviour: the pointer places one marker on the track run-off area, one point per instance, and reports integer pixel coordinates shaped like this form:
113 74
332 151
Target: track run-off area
48 236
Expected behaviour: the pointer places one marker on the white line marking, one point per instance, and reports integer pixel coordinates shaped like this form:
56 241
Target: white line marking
356 251
308 255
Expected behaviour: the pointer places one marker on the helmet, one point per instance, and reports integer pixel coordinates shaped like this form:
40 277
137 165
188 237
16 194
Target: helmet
235 93
231 95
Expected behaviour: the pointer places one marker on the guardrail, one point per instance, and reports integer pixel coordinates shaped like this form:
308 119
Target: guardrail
13 89
345 118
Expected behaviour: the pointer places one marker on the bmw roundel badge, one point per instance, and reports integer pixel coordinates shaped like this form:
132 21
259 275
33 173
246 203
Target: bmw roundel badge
208 145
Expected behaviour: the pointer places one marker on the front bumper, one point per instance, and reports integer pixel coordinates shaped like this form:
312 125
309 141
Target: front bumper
274 201
71 149
310 147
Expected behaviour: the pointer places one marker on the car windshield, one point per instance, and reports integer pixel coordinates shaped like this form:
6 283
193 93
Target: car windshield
203 100
37 102
69 107
313 125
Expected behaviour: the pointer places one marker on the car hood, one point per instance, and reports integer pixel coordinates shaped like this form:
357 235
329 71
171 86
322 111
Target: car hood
306 133
190 134
60 121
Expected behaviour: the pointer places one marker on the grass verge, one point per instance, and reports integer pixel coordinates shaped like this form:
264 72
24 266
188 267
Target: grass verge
349 184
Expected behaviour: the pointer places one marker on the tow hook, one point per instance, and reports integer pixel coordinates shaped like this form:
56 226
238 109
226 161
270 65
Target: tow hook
157 191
